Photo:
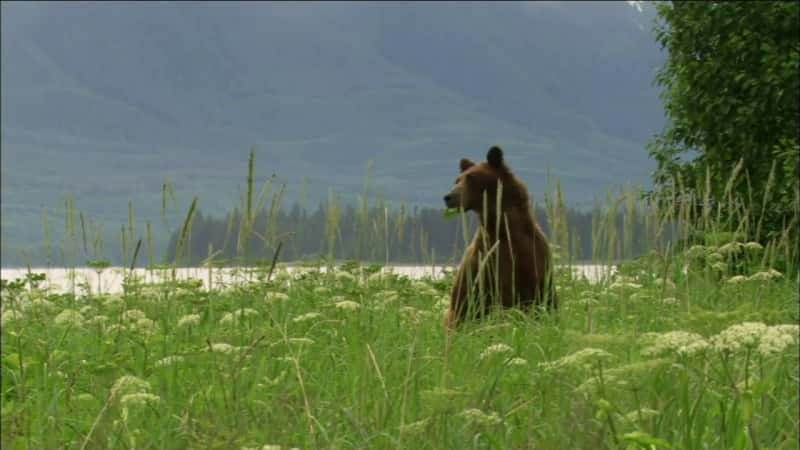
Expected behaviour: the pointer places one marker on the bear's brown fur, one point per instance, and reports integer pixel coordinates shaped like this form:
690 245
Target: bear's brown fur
518 252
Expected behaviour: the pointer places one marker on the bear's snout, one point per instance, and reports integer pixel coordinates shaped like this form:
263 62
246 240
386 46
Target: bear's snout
451 200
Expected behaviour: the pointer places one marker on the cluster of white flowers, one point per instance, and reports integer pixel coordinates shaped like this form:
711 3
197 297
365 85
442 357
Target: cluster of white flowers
770 274
113 301
495 349
443 303
321 290
669 301
517 361
169 360
477 416
222 347
583 358
753 246
275 296
129 384
37 305
736 279
347 305
682 342
236 316
387 296
765 339
133 315
307 316
345 276
69 317
731 248
189 320
620 285
9 315
139 399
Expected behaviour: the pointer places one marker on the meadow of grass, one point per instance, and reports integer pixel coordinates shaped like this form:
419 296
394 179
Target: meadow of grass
693 346
650 358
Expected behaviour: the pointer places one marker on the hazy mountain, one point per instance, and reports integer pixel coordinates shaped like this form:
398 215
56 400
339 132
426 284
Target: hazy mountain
107 100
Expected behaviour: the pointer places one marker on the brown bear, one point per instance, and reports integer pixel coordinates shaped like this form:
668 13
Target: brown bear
508 262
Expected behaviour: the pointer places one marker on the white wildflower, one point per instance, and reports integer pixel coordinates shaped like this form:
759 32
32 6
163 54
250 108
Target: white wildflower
753 246
582 358
189 320
375 276
145 326
624 285
37 304
475 415
696 251
640 297
86 310
735 337
169 360
98 320
715 257
387 296
129 384
495 349
69 317
321 290
345 276
731 248
682 342
275 296
517 362
348 305
777 338
736 279
139 399
719 266
766 275
133 315
222 347
236 316
10 315
114 300
306 317
669 301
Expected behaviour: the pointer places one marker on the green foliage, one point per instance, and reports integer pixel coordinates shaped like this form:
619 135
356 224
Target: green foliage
358 358
730 89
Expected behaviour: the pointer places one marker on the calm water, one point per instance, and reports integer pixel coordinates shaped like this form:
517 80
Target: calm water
111 278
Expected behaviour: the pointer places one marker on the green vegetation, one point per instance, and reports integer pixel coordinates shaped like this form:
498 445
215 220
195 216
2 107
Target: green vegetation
731 85
354 358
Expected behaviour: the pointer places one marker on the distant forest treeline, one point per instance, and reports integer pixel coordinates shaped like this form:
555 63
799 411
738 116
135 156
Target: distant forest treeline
377 234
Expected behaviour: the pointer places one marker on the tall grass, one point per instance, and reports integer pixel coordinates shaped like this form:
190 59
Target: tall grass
693 345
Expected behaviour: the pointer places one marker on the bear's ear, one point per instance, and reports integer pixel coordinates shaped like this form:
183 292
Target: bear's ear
466 164
495 157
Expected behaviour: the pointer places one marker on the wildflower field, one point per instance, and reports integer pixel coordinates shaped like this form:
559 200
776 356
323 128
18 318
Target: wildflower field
683 354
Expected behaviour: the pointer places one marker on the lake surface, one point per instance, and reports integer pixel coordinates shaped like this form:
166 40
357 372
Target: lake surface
111 278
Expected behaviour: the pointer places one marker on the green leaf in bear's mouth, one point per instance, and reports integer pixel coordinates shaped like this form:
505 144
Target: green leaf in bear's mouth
451 212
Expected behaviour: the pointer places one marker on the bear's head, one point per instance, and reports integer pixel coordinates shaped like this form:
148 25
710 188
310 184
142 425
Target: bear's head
481 179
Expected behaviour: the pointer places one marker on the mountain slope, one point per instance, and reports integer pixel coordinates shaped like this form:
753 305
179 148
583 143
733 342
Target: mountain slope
107 101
